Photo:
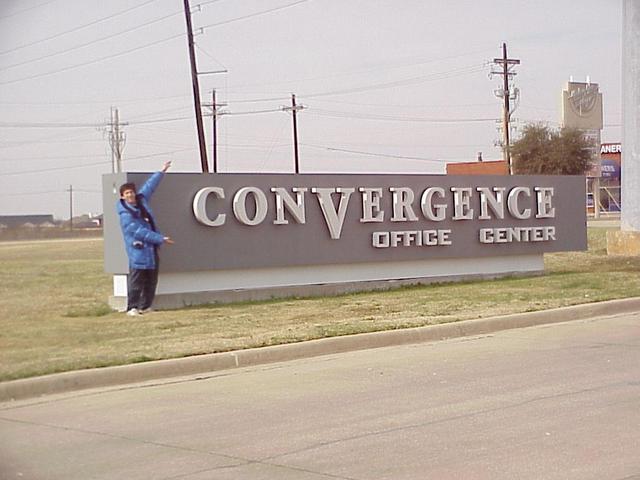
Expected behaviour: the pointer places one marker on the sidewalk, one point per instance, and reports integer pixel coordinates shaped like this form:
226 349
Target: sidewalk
141 372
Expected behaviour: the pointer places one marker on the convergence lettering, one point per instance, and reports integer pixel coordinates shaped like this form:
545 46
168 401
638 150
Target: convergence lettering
433 204
517 234
418 238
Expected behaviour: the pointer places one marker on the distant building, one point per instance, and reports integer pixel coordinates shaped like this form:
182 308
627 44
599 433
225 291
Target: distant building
610 159
16 221
493 167
87 221
610 168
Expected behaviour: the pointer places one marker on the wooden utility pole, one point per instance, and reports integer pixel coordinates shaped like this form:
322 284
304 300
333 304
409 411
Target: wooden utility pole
294 108
116 140
506 72
70 207
215 114
215 131
295 131
196 90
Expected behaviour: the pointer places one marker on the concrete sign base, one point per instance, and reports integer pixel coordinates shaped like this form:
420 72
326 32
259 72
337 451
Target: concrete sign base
623 243
177 290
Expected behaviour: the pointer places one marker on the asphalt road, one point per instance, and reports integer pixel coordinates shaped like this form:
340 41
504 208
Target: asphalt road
553 402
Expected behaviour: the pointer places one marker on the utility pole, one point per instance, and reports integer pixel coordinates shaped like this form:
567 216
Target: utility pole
214 130
196 90
215 113
116 140
293 109
507 72
70 207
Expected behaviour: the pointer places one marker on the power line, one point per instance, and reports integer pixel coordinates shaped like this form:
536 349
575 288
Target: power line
406 105
314 111
210 56
22 143
137 48
84 64
392 118
404 144
258 147
177 119
375 154
48 192
53 169
86 44
26 9
4 52
30 193
159 154
133 122
365 70
260 100
103 102
251 15
160 120
108 162
408 81
76 137
158 112
55 157
49 125
417 79
155 143
202 4
252 112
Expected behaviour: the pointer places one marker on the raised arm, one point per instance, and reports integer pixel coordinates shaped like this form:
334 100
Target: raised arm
153 181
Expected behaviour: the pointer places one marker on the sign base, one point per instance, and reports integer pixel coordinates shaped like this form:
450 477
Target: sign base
178 290
623 242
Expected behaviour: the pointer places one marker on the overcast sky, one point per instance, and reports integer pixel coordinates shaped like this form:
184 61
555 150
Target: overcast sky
388 85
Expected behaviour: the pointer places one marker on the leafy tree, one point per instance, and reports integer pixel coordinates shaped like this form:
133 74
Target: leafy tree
543 151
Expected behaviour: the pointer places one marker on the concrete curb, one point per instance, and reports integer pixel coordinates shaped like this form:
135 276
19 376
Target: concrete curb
140 372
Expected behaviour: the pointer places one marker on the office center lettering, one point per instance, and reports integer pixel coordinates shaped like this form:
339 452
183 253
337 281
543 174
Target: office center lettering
250 206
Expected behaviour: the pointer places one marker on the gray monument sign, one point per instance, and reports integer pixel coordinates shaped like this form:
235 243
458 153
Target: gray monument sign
281 230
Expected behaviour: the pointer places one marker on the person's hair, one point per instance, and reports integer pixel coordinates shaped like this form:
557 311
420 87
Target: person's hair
127 186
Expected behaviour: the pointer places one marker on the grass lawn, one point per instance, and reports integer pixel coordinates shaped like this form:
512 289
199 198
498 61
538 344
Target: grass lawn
54 318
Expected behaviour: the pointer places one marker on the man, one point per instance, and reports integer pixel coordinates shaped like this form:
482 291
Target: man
141 239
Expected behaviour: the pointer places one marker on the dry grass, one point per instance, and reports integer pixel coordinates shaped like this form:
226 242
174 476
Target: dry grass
54 317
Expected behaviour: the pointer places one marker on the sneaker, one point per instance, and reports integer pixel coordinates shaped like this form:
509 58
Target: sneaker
134 312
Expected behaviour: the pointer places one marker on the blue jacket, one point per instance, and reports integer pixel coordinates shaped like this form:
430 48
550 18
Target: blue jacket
140 237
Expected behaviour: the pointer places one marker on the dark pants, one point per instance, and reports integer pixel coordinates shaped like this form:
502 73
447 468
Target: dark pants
141 288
